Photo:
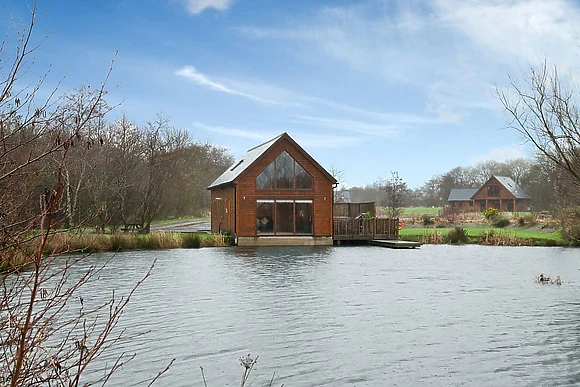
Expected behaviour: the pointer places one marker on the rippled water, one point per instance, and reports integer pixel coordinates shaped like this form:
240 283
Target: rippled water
352 316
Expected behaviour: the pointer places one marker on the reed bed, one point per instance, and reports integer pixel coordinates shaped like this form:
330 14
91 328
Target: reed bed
85 243
88 243
492 238
432 238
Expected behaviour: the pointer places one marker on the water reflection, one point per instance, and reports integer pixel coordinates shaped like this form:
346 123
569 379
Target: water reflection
282 258
332 316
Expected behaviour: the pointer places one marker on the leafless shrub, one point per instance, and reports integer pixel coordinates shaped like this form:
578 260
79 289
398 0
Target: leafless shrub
48 335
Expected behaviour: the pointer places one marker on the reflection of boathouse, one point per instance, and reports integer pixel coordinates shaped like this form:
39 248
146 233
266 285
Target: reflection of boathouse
276 194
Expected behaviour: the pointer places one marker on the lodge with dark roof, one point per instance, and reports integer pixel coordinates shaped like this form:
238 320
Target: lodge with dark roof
276 194
498 192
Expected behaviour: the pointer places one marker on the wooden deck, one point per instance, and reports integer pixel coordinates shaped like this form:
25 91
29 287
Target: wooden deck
350 229
396 244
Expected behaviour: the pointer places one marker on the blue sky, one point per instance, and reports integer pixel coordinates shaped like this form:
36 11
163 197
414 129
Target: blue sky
366 87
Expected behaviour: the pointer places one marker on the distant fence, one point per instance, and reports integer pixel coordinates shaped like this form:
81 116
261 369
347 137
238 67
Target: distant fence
352 210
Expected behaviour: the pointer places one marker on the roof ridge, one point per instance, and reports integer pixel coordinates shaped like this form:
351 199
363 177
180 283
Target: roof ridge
265 142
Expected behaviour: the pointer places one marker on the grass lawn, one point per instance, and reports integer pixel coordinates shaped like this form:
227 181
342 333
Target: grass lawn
409 211
539 237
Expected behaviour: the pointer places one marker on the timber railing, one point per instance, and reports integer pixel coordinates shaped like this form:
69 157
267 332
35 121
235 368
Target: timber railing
365 229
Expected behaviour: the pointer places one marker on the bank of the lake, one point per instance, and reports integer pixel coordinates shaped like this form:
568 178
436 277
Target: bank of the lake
487 235
87 242
346 316
62 242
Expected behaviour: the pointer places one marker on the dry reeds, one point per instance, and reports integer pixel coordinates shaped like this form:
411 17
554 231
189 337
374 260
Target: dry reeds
432 238
65 242
491 238
217 240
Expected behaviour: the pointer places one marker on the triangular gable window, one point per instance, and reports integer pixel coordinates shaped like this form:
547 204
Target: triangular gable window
284 173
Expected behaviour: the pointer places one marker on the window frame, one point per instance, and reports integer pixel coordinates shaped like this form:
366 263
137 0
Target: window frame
306 226
274 179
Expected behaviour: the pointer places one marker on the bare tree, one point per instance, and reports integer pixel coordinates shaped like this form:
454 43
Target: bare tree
48 337
396 190
545 112
340 189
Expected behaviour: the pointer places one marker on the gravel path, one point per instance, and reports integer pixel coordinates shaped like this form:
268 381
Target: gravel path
183 226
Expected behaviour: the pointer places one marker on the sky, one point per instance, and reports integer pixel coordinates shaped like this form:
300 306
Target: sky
365 86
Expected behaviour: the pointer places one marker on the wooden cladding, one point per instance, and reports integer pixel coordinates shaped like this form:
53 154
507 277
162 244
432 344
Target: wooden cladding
248 195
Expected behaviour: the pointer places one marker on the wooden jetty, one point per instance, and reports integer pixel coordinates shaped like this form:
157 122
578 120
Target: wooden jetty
395 244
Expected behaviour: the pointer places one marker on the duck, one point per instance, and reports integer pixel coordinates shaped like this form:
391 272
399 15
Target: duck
558 280
542 278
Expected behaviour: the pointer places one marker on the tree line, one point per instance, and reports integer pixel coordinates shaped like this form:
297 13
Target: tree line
538 178
115 173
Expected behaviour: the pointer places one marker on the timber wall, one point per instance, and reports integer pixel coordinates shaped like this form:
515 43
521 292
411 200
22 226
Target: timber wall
247 195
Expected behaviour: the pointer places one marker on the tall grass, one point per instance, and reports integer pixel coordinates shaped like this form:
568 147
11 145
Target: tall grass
63 242
493 238
432 238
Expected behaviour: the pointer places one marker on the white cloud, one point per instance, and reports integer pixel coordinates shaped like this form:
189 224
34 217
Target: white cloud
309 140
246 134
195 7
501 154
400 119
257 136
349 125
191 73
451 51
528 29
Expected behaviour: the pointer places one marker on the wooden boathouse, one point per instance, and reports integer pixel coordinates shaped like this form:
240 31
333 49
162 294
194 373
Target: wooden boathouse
276 194
279 195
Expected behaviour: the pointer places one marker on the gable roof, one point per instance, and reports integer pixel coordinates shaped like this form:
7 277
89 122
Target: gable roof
508 184
253 154
511 186
461 194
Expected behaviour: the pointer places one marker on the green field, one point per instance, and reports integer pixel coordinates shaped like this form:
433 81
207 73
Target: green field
538 236
417 211
407 211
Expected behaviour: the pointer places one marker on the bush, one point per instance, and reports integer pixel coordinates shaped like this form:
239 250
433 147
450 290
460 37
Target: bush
501 222
490 213
427 220
570 221
530 219
457 235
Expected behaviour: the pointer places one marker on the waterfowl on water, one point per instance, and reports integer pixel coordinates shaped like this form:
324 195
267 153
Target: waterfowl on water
543 278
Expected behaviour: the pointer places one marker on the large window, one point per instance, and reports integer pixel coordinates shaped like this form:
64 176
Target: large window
265 216
493 190
284 173
284 217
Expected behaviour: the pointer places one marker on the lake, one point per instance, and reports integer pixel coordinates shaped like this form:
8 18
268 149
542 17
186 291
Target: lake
350 316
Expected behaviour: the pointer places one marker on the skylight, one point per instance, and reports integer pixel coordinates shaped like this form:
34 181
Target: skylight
237 165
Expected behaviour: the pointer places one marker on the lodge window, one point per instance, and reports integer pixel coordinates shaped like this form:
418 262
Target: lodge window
284 173
284 217
492 190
